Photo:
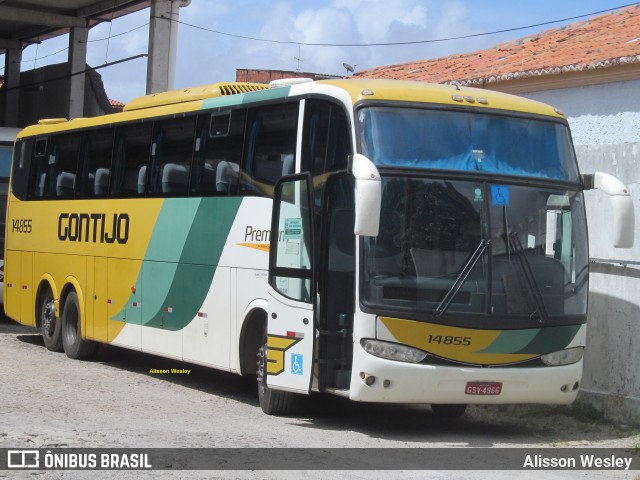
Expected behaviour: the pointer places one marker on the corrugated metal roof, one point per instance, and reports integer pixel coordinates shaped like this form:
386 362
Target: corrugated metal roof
604 41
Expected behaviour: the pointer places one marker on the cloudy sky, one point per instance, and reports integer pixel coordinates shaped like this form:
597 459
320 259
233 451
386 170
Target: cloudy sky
208 57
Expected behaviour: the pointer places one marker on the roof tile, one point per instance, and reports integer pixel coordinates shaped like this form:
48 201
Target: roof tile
603 41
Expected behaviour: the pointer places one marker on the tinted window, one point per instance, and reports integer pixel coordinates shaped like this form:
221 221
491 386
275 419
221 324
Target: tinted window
171 153
95 163
271 147
470 141
55 163
218 153
132 147
326 141
20 175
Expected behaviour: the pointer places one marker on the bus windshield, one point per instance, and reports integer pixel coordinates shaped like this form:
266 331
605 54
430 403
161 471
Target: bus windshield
456 247
469 141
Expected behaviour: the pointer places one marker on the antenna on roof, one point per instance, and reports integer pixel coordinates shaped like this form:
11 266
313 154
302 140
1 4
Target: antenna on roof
299 58
350 68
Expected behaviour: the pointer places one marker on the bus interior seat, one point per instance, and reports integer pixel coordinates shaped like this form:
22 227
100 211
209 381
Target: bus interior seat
91 182
175 178
435 263
101 185
226 176
141 180
65 184
41 188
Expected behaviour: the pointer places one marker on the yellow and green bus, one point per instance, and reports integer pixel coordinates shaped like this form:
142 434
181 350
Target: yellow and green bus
383 241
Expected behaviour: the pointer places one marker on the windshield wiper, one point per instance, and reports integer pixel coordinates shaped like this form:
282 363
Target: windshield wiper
534 290
461 279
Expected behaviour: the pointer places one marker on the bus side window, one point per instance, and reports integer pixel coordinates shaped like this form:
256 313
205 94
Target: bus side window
21 165
39 175
325 143
95 163
131 155
218 151
171 153
64 163
271 147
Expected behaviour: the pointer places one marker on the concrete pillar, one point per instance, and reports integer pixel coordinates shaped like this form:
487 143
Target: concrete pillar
13 57
163 43
159 77
77 63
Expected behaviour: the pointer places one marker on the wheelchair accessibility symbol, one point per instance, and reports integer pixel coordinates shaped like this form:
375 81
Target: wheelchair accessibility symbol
296 364
500 195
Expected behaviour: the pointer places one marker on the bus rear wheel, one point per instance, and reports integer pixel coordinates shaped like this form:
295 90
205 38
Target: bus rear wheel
49 323
272 402
74 346
448 410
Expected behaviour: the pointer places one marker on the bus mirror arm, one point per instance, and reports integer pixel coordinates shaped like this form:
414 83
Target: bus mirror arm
622 203
368 195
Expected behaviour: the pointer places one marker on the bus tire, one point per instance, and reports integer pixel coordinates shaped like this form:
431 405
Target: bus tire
448 410
272 402
74 346
50 325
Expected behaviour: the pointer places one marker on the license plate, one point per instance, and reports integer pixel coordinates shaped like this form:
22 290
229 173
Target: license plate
483 388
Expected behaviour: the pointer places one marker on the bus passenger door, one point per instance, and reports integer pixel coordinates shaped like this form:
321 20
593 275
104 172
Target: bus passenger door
290 326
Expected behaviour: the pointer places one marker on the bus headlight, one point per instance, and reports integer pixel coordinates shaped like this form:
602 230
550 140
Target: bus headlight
563 357
392 351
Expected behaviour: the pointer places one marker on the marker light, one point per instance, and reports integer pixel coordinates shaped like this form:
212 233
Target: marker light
563 357
392 351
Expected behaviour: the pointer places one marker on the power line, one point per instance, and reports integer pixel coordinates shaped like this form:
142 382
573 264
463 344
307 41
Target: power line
387 44
46 56
88 41
118 34
64 77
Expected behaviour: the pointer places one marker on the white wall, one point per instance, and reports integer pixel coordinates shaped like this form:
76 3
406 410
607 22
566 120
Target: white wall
599 114
605 124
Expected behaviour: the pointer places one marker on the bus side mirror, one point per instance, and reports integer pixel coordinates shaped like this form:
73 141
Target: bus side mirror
622 203
368 195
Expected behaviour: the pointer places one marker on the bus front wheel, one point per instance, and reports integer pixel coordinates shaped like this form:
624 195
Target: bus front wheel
74 346
49 323
272 402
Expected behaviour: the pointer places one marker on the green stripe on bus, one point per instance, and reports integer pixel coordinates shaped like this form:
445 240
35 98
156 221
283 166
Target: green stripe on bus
179 265
510 341
199 259
534 341
244 98
551 339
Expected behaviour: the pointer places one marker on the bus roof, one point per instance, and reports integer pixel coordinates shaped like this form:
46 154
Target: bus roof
400 90
227 94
